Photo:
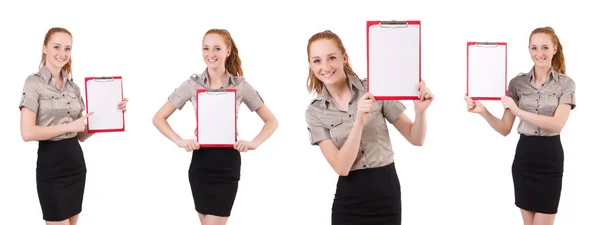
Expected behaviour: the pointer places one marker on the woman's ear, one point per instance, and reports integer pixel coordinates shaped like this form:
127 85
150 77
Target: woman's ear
345 58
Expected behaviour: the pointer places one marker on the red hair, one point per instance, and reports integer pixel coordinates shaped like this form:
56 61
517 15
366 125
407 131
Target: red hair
233 64
313 83
558 61
52 31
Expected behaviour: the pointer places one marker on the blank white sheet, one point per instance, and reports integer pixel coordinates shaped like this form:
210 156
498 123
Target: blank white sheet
216 118
103 96
486 70
394 58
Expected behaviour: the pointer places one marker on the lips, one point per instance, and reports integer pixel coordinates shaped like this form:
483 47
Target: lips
328 74
212 60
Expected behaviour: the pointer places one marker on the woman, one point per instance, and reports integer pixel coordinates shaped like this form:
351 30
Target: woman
214 172
51 113
349 127
543 99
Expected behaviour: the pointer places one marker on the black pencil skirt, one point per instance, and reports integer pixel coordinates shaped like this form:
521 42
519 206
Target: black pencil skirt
214 174
368 196
537 173
60 178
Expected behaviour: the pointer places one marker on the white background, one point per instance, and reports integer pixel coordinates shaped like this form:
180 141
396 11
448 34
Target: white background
461 175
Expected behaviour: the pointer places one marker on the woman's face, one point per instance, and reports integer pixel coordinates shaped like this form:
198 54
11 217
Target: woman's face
327 62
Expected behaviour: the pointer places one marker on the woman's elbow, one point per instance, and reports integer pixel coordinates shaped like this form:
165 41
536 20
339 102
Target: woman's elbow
156 120
505 131
342 173
418 143
26 135
274 123
557 129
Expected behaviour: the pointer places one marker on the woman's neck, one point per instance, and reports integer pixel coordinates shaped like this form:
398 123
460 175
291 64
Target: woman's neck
56 72
540 74
339 90
217 77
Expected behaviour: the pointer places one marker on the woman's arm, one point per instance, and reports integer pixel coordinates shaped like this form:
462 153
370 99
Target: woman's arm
30 131
83 135
268 129
413 132
341 160
502 126
552 123
160 122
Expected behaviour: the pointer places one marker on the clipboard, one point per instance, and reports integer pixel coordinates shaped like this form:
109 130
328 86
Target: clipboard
394 59
102 95
486 70
216 121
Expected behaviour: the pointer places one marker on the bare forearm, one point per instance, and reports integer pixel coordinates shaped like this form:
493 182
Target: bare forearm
347 154
40 133
496 123
84 135
418 130
544 122
266 132
165 129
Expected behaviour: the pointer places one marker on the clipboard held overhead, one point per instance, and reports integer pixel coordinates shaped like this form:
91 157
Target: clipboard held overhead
394 59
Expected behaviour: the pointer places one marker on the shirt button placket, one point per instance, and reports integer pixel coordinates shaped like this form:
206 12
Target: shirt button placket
364 156
537 106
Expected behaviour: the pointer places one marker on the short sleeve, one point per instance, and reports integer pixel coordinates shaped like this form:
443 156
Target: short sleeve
392 109
316 131
512 90
181 95
568 94
250 97
30 96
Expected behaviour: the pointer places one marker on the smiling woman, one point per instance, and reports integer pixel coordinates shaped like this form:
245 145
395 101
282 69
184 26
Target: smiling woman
51 113
214 173
350 128
542 99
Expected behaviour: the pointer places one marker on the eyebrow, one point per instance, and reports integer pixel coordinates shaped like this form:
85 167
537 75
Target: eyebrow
209 46
330 54
59 45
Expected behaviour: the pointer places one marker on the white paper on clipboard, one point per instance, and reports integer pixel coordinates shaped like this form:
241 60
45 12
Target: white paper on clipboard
486 70
394 59
215 117
103 94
